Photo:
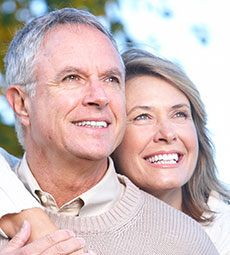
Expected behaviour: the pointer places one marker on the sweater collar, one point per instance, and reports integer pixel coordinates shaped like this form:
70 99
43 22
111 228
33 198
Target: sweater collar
95 201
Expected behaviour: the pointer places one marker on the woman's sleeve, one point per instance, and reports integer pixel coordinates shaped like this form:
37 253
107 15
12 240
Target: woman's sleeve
14 197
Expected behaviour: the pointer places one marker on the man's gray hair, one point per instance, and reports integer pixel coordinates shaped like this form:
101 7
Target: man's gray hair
21 55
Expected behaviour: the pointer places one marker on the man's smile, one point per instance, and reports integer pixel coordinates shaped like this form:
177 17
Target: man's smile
92 124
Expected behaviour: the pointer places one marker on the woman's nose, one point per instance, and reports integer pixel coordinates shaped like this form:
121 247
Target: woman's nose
165 132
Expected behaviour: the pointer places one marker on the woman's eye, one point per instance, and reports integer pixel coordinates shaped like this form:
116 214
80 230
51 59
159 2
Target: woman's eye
142 117
181 115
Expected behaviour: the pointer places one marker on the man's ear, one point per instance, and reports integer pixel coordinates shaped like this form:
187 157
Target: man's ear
19 102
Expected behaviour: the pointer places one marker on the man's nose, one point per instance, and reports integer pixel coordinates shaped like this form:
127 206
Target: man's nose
96 95
165 132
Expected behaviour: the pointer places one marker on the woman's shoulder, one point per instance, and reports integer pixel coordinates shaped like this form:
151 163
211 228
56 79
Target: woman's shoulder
218 205
219 229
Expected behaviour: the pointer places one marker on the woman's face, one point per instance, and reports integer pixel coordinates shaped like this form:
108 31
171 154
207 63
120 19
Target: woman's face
160 147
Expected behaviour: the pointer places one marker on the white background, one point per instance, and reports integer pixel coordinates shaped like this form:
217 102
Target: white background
206 64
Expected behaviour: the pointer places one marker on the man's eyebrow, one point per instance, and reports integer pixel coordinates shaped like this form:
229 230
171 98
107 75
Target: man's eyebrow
115 72
71 69
66 70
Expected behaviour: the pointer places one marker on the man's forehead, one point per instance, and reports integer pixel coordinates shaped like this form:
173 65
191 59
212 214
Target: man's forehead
73 37
80 33
81 47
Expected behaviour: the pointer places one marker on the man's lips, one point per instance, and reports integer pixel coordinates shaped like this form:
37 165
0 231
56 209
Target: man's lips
92 123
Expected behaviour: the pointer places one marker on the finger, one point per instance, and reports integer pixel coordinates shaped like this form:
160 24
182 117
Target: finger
58 242
90 253
70 246
19 239
79 252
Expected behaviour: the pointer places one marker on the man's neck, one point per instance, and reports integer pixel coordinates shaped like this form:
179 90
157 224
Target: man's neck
66 180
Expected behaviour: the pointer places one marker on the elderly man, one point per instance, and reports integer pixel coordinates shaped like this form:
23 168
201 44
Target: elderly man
66 86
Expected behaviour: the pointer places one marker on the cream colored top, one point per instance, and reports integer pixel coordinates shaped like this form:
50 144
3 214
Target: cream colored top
219 229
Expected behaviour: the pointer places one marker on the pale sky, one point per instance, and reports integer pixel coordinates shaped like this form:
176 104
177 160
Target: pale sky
207 65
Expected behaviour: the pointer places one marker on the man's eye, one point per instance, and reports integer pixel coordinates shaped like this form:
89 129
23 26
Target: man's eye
113 79
71 77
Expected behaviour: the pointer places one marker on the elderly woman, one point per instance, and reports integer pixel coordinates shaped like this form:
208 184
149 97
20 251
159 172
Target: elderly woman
166 150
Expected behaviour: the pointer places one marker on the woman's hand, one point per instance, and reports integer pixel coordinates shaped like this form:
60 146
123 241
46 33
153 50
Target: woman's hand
39 221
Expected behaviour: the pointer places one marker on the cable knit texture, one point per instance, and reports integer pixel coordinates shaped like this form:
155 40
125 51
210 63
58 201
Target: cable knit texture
138 224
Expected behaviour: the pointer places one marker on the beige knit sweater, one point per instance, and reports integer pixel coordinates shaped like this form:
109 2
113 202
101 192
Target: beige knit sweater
139 224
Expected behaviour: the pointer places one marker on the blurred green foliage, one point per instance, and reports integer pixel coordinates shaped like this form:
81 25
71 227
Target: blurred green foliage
8 140
13 14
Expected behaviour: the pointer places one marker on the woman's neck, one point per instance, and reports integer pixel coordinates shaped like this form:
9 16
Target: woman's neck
171 197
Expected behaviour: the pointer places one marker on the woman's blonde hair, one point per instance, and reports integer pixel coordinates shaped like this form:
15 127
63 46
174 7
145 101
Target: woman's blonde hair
196 191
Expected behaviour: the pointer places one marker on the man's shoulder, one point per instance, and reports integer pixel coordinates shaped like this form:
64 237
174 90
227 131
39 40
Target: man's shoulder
139 224
157 210
163 222
144 196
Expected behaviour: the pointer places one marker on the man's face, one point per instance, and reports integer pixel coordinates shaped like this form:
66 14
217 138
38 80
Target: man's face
79 106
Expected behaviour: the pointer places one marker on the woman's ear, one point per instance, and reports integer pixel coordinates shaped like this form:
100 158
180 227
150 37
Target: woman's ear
18 100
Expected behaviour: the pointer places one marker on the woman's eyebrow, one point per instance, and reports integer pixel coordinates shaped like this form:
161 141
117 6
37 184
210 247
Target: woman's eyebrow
177 106
151 108
141 107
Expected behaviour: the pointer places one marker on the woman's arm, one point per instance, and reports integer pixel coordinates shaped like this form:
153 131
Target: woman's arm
39 221
14 197
17 205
